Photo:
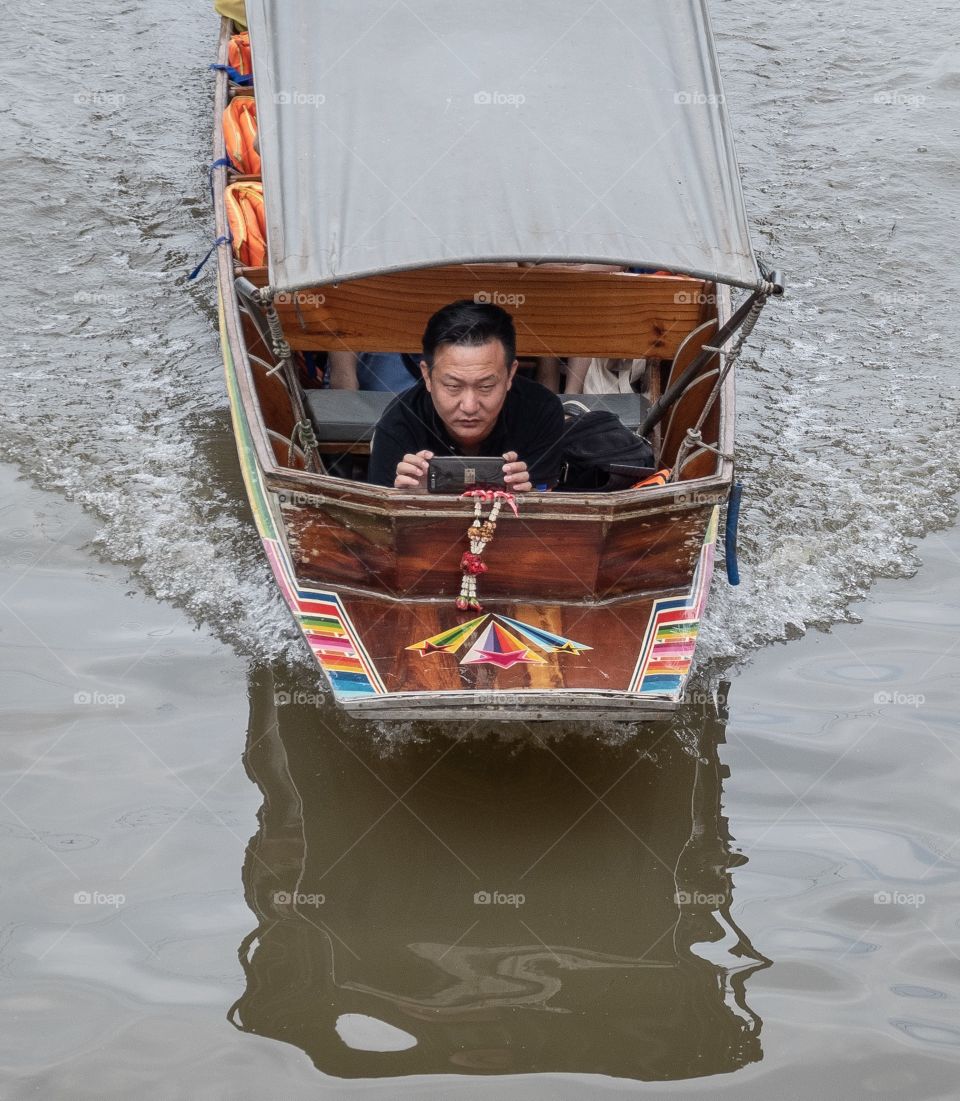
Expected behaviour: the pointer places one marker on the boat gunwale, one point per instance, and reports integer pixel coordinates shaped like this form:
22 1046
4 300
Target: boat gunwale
555 705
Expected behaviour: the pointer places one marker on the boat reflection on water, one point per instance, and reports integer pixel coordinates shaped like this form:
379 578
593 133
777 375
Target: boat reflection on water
492 904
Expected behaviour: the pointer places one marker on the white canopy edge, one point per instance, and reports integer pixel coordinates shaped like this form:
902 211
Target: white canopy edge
414 133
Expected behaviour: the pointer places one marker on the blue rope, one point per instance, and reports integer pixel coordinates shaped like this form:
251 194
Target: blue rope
235 76
730 535
221 162
227 240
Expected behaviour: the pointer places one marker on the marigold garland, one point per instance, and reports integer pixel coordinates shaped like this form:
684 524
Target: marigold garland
479 534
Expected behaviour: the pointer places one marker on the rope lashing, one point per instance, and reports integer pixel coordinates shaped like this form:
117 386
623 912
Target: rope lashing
303 436
235 75
227 239
303 428
220 162
278 342
479 535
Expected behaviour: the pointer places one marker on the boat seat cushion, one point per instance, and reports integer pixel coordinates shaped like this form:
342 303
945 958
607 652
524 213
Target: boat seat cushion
350 416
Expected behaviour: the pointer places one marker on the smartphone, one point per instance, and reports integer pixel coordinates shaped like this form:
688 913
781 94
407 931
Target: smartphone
458 473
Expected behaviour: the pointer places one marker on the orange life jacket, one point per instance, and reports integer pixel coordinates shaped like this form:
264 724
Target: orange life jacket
238 54
658 479
240 133
245 216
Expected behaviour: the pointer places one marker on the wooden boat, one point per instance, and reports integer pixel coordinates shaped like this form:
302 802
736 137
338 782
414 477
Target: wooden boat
593 601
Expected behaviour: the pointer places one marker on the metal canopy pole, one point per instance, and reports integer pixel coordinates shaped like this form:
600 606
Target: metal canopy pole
772 285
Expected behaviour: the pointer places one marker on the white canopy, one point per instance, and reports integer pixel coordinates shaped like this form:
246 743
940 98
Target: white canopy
404 133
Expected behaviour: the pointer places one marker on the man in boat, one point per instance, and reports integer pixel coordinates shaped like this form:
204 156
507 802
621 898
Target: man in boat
470 401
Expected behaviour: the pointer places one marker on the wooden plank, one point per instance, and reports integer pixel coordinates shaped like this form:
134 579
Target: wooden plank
418 556
649 554
556 311
688 408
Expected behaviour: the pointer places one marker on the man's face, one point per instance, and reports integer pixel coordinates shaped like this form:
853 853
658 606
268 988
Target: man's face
468 387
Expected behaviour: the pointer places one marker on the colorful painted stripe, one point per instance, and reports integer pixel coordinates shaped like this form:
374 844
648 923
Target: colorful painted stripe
671 636
252 480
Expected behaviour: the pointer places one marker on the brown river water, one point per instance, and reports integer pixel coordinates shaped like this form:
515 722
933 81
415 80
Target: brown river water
212 885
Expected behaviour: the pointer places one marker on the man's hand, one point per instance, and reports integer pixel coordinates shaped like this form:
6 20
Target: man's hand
515 474
412 472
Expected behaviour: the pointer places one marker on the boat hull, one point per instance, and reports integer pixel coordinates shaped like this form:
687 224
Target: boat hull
592 604
537 650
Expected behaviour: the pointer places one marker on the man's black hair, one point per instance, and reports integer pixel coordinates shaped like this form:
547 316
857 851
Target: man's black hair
469 323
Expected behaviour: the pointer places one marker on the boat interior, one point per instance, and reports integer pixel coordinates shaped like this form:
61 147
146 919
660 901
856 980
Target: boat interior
559 310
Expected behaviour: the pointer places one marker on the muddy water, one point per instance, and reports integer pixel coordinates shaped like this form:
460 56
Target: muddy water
214 886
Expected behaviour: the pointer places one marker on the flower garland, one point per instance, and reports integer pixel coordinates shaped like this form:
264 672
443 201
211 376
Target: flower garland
479 534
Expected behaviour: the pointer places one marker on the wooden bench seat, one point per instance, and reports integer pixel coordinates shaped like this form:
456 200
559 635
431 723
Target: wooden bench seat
345 419
556 311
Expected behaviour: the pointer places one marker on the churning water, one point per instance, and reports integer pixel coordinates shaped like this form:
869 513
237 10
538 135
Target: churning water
848 409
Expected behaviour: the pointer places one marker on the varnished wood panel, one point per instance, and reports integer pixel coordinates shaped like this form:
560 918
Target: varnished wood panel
687 410
529 560
334 545
556 312
650 554
686 414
